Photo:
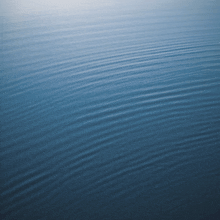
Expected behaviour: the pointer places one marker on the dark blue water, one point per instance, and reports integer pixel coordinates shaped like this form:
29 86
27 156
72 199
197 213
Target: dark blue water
110 111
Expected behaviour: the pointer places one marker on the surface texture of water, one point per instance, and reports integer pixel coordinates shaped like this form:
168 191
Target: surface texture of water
111 112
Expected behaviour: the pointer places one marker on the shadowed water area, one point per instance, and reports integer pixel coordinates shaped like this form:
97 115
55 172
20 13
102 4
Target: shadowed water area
110 111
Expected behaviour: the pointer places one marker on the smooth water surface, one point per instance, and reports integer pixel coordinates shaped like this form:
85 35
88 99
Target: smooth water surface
110 110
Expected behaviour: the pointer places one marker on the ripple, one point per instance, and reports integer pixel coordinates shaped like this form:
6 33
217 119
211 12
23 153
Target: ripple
98 113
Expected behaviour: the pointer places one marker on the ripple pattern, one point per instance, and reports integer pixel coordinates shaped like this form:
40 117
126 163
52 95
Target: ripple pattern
111 117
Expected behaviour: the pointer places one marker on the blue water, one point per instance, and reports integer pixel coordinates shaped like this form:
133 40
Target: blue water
110 111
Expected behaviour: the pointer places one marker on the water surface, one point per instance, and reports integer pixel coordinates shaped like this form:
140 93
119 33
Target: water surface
110 111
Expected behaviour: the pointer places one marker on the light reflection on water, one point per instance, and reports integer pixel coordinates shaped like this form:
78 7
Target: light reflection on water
110 111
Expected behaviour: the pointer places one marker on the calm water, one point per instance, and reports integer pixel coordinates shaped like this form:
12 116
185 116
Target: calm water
110 111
